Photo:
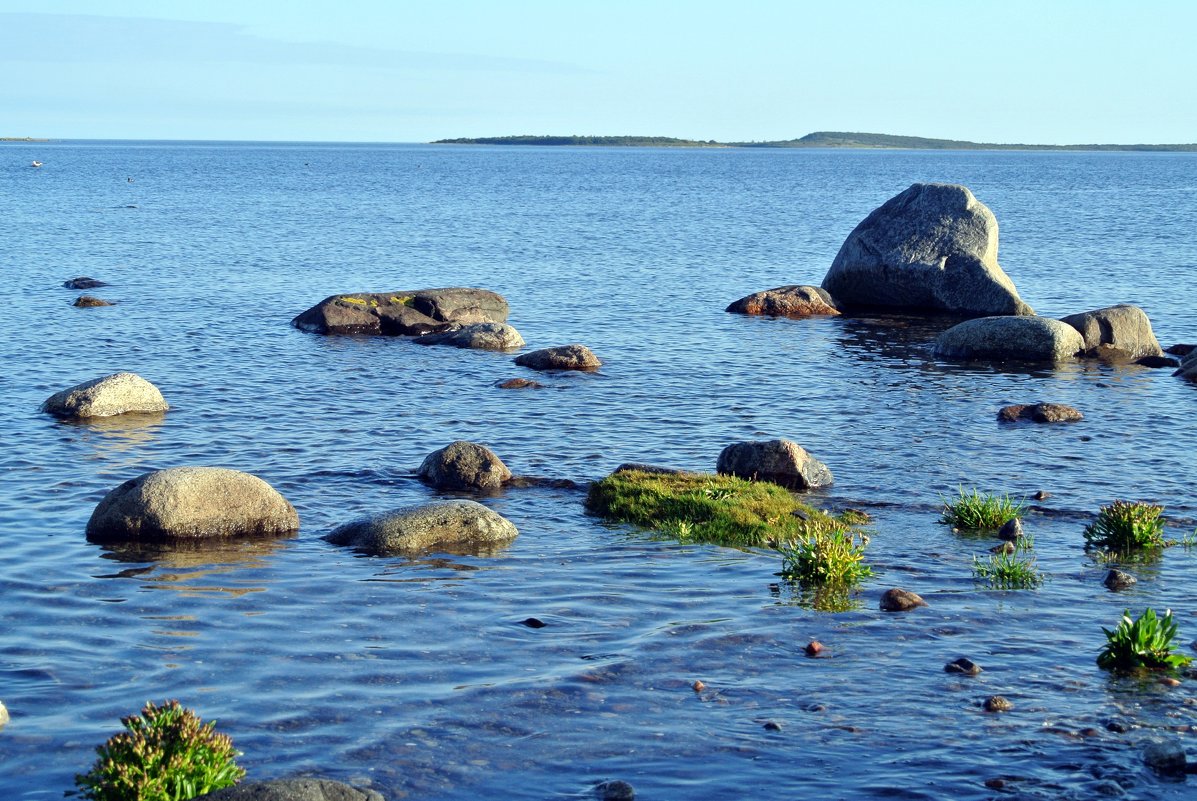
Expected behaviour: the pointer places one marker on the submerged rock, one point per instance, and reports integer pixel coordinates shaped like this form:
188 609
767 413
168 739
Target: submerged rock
1188 366
931 248
292 790
899 600
83 282
191 503
779 461
616 790
89 302
1116 333
962 665
119 393
565 357
413 529
1156 362
464 465
1166 756
1040 413
1034 339
1117 580
410 313
997 703
519 383
787 301
477 336
1011 530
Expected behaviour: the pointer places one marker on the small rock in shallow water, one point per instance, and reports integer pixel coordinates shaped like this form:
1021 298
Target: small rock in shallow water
771 725
1011 531
292 790
83 282
1180 349
1117 580
1005 547
89 302
898 600
615 791
963 665
1118 726
996 703
519 383
1040 413
698 686
1041 495
1168 681
533 623
814 648
1165 756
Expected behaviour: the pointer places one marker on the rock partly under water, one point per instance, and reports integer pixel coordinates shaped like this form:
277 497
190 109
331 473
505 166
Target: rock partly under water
477 336
190 504
90 302
405 313
464 465
1116 333
1040 413
293 790
780 461
564 357
931 248
787 301
899 600
1031 339
413 529
119 393
83 282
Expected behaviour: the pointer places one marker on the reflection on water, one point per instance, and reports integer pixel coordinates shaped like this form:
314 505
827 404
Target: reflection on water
179 566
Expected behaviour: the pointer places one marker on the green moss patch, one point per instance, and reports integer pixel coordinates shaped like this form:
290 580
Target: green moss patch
706 508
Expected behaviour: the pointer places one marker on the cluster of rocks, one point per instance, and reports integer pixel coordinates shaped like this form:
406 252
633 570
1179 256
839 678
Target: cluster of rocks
460 317
86 301
932 249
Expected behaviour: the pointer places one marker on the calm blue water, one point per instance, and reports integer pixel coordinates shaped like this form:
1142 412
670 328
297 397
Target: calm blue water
415 675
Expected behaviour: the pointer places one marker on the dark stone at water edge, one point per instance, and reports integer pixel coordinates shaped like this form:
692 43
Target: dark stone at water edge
1166 756
931 248
962 665
520 383
408 312
464 465
779 461
1011 530
565 357
83 282
533 623
1158 361
292 790
899 600
787 301
616 790
89 302
1040 413
1117 580
1180 349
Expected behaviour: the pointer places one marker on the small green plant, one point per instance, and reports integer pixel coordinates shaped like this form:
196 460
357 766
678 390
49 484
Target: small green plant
976 511
1142 644
165 754
1010 570
1127 526
825 556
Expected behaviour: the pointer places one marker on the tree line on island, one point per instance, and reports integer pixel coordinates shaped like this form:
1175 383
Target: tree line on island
836 139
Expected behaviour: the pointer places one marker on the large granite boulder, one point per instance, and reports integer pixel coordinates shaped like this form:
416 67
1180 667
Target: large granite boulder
292 790
479 336
1119 333
779 461
119 393
409 313
188 504
447 524
931 248
565 357
787 301
464 466
1032 339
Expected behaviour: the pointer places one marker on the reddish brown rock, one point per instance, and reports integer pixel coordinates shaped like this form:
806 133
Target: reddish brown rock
898 600
89 302
787 301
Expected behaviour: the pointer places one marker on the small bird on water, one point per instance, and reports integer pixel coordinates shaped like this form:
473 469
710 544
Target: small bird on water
36 164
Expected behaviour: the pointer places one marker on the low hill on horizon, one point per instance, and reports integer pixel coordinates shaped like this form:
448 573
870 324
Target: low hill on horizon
823 139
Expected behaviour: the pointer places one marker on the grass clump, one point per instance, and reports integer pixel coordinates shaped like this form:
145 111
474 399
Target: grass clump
705 508
164 754
980 511
826 556
1142 644
1010 570
1127 526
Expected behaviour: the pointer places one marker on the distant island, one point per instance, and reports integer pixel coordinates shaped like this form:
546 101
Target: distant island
21 139
836 139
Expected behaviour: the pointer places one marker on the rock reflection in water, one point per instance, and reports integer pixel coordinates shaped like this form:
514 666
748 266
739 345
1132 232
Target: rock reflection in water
178 566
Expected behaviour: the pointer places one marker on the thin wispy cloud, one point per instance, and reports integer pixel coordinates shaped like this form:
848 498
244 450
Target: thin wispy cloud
82 38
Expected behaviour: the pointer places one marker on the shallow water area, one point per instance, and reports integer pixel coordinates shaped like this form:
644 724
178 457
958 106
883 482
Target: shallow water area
417 676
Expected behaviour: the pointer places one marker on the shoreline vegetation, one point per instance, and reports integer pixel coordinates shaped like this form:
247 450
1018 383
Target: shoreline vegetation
821 139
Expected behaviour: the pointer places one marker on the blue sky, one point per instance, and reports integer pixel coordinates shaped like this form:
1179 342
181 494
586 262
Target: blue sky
1050 71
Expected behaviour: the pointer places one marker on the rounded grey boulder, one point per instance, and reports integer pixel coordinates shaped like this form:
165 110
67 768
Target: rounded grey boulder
292 790
565 357
187 504
413 529
1033 339
119 393
1120 332
786 301
779 461
478 336
464 465
931 248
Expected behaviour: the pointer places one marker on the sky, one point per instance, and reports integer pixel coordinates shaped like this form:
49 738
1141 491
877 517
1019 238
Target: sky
1047 72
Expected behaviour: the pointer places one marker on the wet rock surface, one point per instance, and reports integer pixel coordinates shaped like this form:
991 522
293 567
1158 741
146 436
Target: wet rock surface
1027 339
1117 580
964 666
464 465
787 301
403 313
565 357
477 336
1116 333
89 302
997 703
780 461
899 600
519 383
414 529
1040 413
